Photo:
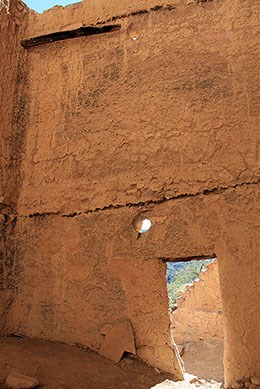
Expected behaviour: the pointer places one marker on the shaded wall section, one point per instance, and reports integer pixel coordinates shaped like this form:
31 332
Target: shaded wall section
12 105
12 102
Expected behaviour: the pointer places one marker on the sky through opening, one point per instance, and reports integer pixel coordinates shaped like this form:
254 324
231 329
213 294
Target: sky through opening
42 5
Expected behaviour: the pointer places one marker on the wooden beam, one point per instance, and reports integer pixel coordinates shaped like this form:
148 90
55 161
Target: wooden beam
188 259
70 34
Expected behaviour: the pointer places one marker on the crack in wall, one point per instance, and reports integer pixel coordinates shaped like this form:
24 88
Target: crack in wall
204 192
156 8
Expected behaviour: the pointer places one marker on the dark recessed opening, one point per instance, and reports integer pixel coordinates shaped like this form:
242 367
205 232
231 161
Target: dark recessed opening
62 35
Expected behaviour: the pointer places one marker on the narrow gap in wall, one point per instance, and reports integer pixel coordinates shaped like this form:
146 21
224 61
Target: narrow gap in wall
196 316
62 35
41 6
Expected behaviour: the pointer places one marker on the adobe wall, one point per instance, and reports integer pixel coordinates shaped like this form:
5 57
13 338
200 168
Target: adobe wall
119 106
78 273
199 314
165 123
12 103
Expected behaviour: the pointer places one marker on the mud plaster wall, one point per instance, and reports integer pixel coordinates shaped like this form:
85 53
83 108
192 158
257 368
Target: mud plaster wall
12 102
78 273
113 121
131 121
199 314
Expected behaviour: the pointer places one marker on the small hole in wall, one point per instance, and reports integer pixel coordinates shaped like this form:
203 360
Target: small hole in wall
142 224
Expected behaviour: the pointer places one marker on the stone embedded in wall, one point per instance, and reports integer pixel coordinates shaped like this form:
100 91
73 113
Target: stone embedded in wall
119 338
16 380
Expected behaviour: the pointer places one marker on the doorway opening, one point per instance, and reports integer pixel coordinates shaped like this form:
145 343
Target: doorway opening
196 316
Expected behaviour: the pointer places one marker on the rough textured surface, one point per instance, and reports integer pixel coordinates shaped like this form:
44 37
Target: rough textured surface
68 295
12 103
204 359
165 108
16 380
134 121
62 284
90 12
59 366
200 308
8 271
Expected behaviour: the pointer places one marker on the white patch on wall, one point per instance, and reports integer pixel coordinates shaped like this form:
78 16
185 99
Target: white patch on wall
142 224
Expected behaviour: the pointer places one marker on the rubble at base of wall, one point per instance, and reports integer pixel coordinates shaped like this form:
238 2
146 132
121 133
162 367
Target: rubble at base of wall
250 383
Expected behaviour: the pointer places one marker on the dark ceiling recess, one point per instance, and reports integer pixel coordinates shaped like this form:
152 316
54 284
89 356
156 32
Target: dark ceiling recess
188 259
62 35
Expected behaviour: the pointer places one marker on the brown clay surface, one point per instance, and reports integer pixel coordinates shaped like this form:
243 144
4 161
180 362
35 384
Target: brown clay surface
59 366
68 295
204 359
115 121
110 121
12 131
12 103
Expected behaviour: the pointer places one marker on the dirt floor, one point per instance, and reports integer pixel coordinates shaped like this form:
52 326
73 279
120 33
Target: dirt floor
205 359
60 366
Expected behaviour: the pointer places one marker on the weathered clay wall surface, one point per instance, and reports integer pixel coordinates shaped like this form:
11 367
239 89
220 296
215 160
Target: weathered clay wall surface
79 273
199 314
164 108
133 121
90 12
86 277
12 103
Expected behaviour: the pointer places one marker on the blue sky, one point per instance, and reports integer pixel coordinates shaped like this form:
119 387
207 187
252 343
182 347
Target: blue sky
42 5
